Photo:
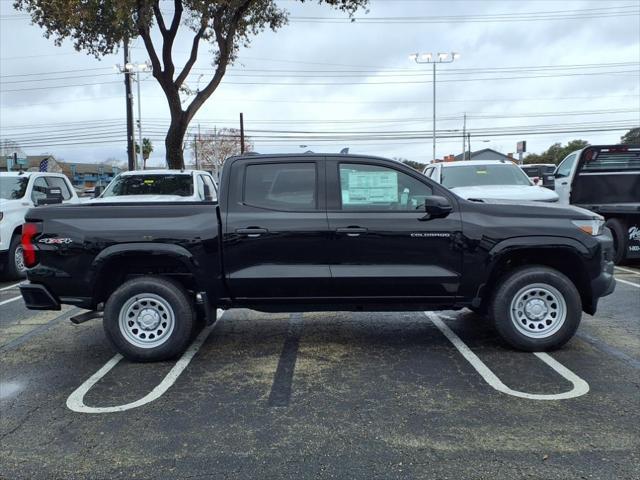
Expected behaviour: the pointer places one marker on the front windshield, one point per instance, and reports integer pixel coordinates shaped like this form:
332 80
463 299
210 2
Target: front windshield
165 184
13 188
480 175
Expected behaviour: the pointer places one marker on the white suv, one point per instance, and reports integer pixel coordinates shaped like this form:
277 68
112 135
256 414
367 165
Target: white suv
20 191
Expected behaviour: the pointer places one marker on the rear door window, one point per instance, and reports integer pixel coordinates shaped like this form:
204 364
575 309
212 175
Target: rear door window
564 169
281 186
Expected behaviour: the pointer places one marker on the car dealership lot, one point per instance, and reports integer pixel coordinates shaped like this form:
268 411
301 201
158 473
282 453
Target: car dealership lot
327 395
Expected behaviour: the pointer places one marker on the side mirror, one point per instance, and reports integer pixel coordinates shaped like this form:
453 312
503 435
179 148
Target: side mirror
97 191
53 196
436 207
208 196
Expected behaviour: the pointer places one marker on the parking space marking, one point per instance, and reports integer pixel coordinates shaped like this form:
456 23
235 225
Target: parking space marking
281 388
626 282
75 402
10 287
4 302
627 270
580 387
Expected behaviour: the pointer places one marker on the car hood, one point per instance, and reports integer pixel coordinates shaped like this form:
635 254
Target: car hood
530 209
141 198
507 192
9 205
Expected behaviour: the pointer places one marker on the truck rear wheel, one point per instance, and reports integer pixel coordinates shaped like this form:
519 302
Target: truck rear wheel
149 319
620 239
536 309
15 269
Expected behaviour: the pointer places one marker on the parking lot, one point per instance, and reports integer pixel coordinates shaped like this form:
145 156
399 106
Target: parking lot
323 395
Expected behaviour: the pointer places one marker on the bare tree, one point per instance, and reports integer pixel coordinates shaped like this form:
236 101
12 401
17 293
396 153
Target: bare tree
99 26
215 146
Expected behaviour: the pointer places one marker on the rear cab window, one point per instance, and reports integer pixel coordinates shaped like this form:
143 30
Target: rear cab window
153 184
611 160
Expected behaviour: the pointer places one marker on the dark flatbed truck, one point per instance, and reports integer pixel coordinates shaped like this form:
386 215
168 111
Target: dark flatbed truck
606 180
317 232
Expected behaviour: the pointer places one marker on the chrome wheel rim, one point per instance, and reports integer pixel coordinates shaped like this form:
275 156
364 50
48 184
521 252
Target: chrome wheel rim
19 260
146 320
538 310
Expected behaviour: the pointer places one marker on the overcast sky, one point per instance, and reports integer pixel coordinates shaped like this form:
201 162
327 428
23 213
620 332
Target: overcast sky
525 66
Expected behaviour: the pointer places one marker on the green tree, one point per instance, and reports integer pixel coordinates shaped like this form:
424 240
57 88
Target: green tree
147 148
556 152
632 137
413 164
99 26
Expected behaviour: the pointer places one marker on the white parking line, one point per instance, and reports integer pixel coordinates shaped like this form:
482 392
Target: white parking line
75 401
10 287
627 282
580 387
626 270
4 302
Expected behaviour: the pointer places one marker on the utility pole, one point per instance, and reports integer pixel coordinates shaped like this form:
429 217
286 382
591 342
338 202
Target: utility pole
195 148
241 133
464 133
469 143
429 58
127 83
142 161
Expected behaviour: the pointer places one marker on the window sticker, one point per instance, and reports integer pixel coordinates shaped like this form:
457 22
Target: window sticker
370 187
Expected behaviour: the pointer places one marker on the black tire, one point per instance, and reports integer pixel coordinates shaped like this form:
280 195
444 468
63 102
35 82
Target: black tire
11 269
146 333
620 239
538 286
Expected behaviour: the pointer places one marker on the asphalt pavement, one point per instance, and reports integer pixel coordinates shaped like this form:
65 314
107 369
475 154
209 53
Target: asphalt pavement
323 395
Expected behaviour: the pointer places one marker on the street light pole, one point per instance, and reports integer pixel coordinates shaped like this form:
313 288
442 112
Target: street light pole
136 68
429 58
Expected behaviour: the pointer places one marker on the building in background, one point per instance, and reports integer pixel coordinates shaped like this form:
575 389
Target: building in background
31 163
486 154
89 175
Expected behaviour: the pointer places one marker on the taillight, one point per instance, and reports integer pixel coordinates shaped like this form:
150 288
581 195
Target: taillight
29 230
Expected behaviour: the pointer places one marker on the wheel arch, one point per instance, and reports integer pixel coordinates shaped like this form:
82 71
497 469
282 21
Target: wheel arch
563 254
116 263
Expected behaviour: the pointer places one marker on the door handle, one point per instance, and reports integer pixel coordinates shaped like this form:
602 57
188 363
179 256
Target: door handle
564 183
252 232
351 231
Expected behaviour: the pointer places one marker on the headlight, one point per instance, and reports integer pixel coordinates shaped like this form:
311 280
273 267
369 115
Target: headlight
592 227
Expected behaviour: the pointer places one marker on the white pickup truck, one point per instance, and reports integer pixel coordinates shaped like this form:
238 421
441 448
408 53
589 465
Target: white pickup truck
20 191
606 180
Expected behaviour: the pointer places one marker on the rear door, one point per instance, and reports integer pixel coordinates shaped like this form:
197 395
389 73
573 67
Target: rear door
276 230
381 245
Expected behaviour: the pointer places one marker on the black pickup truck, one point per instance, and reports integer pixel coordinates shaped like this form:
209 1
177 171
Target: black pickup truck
317 232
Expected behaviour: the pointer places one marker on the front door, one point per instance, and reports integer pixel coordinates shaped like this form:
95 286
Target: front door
382 245
276 231
563 178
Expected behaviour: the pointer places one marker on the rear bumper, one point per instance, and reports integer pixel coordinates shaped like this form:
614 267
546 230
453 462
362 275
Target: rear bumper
38 297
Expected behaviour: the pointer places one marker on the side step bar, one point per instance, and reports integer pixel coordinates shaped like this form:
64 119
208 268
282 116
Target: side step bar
83 317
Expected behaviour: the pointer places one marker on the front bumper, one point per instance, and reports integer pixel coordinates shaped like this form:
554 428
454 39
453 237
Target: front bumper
38 297
605 283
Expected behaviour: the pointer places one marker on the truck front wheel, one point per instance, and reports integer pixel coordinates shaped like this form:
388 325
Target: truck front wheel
149 319
536 309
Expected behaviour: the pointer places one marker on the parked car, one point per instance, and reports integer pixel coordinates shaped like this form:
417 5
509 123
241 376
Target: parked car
317 232
159 186
541 174
606 179
488 179
19 191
